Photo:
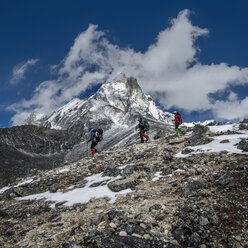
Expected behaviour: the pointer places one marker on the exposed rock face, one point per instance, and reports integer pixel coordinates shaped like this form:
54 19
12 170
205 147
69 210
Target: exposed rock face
23 148
195 201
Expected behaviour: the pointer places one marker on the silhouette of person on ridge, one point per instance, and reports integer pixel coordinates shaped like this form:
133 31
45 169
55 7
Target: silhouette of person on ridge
95 137
178 121
143 127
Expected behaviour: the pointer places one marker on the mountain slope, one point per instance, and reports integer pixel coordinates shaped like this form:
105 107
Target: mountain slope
143 195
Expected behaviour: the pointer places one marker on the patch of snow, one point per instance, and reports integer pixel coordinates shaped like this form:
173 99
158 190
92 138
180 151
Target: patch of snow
17 185
157 176
216 146
25 182
223 128
4 189
81 195
63 170
192 124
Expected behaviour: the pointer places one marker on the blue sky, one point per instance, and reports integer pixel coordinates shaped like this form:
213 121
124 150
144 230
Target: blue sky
189 55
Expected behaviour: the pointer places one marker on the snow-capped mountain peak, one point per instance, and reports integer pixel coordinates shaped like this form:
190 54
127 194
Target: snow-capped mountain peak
118 102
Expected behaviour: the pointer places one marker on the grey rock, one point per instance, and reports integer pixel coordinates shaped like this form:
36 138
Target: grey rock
228 180
180 235
114 241
128 170
187 151
243 145
155 207
194 240
111 170
199 129
132 228
115 214
191 188
199 139
53 188
203 221
119 185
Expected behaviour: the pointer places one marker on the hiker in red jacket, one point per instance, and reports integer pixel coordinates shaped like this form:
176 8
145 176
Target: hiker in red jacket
178 121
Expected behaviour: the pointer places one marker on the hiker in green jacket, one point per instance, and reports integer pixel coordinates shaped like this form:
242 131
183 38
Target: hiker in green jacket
178 121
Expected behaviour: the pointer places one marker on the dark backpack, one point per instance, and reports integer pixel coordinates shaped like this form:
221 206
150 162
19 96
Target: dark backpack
98 134
146 124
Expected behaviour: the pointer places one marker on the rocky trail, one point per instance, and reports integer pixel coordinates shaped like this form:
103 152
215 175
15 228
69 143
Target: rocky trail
144 195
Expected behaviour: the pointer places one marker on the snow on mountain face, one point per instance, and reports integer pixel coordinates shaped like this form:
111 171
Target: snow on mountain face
117 102
126 94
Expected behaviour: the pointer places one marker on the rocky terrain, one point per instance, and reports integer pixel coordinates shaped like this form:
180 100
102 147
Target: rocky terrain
163 193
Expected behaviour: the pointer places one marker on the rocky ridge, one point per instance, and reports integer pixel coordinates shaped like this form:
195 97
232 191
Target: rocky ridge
194 201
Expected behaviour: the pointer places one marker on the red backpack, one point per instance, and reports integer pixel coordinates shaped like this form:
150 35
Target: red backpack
179 118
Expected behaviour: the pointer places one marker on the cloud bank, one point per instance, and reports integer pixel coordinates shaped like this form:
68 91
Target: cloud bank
20 70
169 70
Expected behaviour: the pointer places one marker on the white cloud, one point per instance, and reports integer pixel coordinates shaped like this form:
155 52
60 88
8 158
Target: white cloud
169 70
20 70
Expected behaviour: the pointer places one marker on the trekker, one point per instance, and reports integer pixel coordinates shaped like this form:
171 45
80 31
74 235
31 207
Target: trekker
95 137
143 127
178 121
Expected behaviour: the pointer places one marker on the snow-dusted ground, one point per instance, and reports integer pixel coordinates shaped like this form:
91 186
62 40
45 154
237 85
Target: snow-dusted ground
216 146
81 195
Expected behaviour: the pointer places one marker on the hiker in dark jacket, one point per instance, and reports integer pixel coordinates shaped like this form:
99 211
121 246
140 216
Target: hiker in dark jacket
143 127
178 121
94 140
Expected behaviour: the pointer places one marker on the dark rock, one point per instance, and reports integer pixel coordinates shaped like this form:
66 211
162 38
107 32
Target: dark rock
199 129
243 145
3 214
115 214
160 217
155 207
118 185
195 240
132 228
187 151
235 166
111 171
90 167
114 241
228 180
180 235
128 170
76 230
199 139
53 188
191 188
60 203
54 218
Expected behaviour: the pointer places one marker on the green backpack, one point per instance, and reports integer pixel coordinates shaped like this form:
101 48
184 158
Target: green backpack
146 124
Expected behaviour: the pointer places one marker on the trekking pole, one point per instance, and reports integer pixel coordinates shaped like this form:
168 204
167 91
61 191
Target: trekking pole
87 148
